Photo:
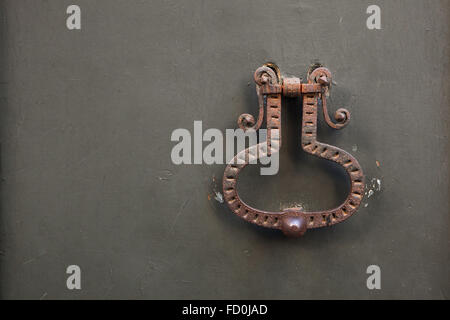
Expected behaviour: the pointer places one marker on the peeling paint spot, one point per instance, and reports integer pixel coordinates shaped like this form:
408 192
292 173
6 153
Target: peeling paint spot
372 187
355 148
375 184
219 197
378 184
291 205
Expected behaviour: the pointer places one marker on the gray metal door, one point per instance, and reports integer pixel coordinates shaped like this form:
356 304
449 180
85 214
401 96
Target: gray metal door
87 178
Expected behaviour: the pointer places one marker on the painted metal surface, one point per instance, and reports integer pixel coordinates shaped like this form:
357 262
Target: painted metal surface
86 119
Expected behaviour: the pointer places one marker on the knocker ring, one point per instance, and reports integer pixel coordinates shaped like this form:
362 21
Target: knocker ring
270 88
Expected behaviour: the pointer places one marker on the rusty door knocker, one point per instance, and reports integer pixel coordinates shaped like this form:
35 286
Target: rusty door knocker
270 87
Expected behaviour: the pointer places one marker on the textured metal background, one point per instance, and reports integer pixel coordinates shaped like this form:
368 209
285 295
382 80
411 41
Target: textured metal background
86 118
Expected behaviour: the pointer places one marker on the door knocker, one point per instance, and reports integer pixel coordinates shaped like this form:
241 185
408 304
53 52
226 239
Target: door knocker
270 87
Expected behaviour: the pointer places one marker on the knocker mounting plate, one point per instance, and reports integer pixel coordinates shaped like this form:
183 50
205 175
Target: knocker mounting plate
270 88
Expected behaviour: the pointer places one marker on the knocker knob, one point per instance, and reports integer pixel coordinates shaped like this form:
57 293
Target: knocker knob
293 224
